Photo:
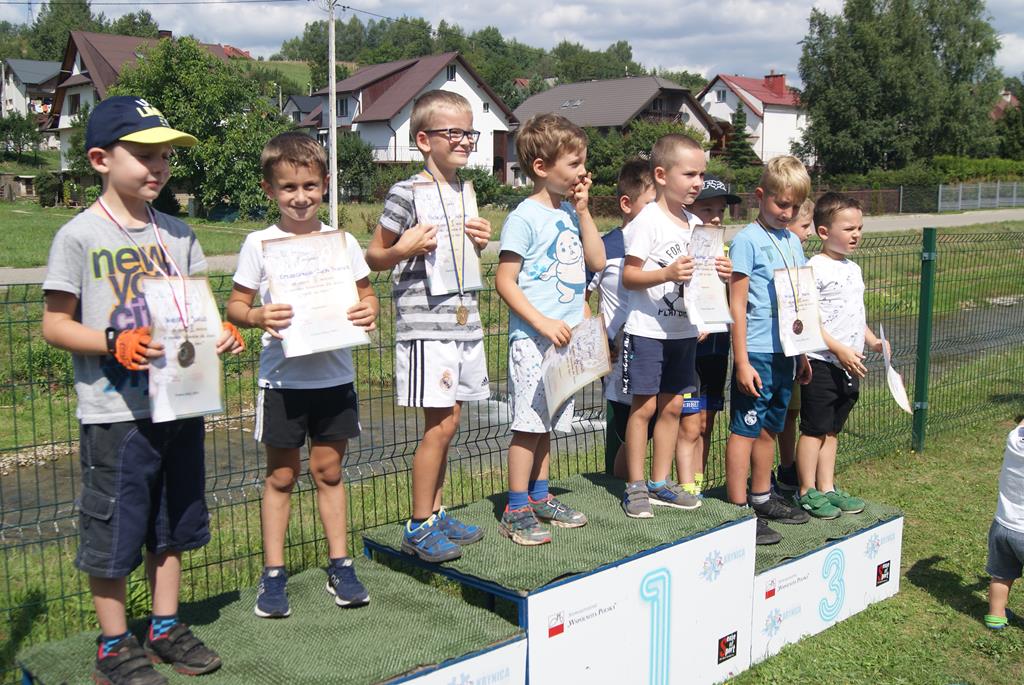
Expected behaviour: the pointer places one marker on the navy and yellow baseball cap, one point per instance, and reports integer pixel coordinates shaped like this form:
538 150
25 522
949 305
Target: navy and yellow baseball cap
124 117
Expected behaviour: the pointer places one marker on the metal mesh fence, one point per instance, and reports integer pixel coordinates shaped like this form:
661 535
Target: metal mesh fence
977 362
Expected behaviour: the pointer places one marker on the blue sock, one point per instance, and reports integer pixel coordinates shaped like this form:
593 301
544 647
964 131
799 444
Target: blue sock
539 490
518 500
654 485
161 625
107 643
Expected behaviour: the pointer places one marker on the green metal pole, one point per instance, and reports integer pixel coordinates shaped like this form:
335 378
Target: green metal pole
924 337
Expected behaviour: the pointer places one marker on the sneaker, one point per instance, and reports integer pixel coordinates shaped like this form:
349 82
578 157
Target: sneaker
845 502
456 531
671 495
765 535
185 652
522 527
553 511
693 489
126 664
343 584
786 480
429 543
636 502
817 505
779 510
272 595
999 622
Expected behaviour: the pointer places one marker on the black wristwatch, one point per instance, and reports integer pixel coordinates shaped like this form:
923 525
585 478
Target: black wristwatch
112 334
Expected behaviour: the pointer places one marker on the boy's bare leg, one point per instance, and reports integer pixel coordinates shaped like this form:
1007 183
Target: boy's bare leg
787 440
619 469
998 595
541 458
761 464
443 469
428 463
705 438
164 574
521 459
326 461
640 416
108 598
808 455
687 446
666 432
826 475
282 470
738 452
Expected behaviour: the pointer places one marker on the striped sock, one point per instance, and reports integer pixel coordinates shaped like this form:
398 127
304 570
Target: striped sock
107 643
159 626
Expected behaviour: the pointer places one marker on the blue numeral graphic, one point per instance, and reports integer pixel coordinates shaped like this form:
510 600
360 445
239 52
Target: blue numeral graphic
832 569
656 588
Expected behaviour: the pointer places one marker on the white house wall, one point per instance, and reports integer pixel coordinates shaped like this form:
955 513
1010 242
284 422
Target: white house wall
15 95
781 130
88 97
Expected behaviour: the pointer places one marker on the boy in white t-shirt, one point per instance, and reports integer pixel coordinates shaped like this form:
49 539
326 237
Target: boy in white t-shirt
310 396
1006 536
835 373
659 345
635 190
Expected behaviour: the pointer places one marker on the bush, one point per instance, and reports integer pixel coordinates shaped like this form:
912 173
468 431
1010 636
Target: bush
92 193
488 189
49 190
388 175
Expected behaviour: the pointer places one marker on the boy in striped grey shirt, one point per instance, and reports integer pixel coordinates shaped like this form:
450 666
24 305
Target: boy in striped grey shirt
439 346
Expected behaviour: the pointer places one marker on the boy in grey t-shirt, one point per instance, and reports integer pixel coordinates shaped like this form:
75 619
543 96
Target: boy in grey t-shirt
142 482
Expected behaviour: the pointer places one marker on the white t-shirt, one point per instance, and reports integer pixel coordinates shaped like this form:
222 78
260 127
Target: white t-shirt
1010 510
659 311
318 370
840 303
608 282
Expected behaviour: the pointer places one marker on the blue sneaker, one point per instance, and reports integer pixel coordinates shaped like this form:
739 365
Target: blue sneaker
429 543
456 531
343 584
671 495
272 595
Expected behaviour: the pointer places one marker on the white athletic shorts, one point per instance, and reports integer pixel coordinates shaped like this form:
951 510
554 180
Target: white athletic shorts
439 373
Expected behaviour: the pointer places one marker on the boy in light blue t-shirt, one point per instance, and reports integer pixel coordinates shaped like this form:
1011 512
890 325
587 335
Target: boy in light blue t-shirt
763 374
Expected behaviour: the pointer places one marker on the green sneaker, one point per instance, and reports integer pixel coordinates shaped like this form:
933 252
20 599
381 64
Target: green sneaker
844 501
522 527
558 514
818 506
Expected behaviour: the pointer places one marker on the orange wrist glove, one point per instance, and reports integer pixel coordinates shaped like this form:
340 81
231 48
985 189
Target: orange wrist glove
130 347
233 330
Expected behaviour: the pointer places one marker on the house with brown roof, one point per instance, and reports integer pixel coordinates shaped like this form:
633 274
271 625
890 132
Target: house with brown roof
376 102
91 65
1005 103
775 119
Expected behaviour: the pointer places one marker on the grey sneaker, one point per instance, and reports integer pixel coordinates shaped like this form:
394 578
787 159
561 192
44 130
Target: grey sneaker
765 535
672 495
522 527
636 502
780 510
558 514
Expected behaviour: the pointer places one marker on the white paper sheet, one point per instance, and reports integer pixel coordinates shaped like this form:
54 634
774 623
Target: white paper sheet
707 305
892 376
313 273
584 360
455 257
806 336
178 391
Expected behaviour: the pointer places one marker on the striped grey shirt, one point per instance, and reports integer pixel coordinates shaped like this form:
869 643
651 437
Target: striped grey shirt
419 315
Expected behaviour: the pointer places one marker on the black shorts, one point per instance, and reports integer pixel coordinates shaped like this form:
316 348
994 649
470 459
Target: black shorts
651 366
286 416
826 401
712 370
143 483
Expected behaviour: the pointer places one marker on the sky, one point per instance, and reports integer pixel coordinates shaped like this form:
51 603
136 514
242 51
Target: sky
748 37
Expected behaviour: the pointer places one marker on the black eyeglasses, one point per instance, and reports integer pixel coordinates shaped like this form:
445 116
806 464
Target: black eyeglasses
456 135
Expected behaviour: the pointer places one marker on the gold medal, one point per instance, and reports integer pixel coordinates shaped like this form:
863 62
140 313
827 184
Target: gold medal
798 326
462 315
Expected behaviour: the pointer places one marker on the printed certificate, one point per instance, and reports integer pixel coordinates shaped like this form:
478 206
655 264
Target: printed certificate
893 378
313 273
186 381
799 320
584 360
454 265
707 305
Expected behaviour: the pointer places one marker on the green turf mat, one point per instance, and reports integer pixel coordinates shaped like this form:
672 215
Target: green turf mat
608 537
807 537
407 625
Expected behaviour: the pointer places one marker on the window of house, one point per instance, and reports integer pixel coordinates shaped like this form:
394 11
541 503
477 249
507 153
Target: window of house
720 95
487 107
74 103
451 72
343 107
658 105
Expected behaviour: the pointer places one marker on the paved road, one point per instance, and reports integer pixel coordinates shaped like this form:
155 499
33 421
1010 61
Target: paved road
872 224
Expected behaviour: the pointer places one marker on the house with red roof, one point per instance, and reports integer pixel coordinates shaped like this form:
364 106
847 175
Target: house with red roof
376 102
775 119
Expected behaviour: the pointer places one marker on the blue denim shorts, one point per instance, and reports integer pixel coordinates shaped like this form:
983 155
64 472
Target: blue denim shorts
767 411
143 483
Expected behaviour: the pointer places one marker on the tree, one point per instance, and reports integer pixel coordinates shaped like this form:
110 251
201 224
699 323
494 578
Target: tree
738 152
15 41
56 21
693 82
77 161
356 166
139 24
1010 130
19 134
1015 86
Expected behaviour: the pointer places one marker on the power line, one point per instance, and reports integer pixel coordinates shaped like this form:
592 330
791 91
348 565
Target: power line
151 3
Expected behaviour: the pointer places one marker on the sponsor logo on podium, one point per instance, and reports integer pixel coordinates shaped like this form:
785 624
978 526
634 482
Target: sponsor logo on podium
769 589
716 561
556 624
727 647
875 544
882 572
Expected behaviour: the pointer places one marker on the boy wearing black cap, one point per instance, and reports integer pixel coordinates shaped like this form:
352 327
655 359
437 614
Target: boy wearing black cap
142 482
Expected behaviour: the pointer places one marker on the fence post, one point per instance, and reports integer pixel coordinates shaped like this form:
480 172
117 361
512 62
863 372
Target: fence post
900 211
979 194
960 198
998 186
924 338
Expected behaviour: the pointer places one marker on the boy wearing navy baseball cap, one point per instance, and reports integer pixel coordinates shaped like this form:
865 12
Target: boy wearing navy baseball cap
143 483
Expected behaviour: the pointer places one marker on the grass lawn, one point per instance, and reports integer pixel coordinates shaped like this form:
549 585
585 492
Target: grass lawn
30 163
294 71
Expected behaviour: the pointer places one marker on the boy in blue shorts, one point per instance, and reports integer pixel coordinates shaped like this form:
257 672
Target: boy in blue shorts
547 243
143 483
635 189
311 396
762 373
660 343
